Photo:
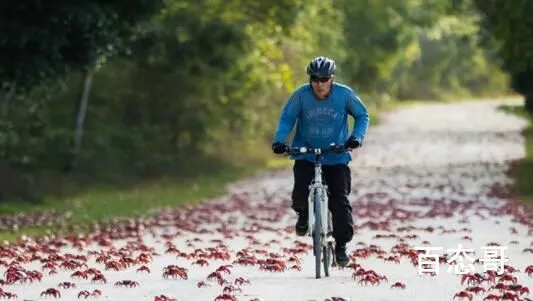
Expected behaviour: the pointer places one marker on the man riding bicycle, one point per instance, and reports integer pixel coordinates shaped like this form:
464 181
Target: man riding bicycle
321 108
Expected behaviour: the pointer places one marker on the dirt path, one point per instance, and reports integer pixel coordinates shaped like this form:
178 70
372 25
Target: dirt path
429 176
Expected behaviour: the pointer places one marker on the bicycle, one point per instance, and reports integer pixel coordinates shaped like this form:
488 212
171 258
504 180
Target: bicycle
319 213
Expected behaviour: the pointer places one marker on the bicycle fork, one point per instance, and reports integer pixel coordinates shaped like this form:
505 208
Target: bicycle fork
325 216
324 211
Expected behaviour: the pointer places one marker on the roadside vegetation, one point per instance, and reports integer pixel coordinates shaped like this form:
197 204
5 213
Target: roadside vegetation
109 110
522 172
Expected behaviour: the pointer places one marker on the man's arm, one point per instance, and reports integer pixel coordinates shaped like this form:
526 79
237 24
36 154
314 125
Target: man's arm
288 118
356 108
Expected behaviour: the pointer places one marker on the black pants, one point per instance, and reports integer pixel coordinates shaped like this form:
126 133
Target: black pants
338 179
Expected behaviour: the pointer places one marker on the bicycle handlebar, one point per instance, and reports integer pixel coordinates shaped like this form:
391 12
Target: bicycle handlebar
310 150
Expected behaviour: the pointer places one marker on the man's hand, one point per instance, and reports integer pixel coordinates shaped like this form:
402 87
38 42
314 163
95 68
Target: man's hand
352 143
279 148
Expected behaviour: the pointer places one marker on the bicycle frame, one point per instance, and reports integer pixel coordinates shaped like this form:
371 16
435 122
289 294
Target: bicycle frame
319 216
318 185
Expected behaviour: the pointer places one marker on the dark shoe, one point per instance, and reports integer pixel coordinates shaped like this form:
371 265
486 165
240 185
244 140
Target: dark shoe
301 225
340 255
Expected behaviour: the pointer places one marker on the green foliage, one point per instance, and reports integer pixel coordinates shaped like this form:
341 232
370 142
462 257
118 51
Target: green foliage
510 22
511 26
425 50
209 77
522 172
45 40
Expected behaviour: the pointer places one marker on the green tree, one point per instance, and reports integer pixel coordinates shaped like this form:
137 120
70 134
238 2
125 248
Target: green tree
45 40
173 80
511 24
41 43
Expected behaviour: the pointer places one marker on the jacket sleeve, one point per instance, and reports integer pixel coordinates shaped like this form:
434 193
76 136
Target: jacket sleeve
288 117
356 108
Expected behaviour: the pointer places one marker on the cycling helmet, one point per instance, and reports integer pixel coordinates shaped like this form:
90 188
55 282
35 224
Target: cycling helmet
321 66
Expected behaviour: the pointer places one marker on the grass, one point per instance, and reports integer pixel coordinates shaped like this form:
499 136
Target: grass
101 204
522 173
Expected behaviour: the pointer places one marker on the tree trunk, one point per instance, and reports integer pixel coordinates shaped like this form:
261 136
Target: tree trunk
529 102
7 99
80 119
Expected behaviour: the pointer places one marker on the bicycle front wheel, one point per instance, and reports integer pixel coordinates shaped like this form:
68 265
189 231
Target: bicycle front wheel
327 253
317 233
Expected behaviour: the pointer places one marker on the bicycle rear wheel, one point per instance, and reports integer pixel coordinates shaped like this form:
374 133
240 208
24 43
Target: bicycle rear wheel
328 249
317 233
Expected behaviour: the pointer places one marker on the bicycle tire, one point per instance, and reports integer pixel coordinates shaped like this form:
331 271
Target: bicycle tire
317 233
326 260
328 249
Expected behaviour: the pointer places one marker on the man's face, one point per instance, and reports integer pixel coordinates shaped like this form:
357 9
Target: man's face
321 85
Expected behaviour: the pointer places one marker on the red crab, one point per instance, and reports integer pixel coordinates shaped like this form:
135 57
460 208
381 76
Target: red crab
84 294
224 268
66 285
7 295
225 297
143 269
508 278
518 288
99 278
34 275
529 270
471 279
463 294
230 288
398 285
241 281
296 267
172 250
80 274
369 279
475 289
499 286
127 283
509 296
49 266
394 259
214 275
272 267
175 271
144 258
201 262
164 298
202 284
115 265
51 292
294 259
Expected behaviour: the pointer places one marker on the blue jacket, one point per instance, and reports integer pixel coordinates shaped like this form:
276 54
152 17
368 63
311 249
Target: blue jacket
322 122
